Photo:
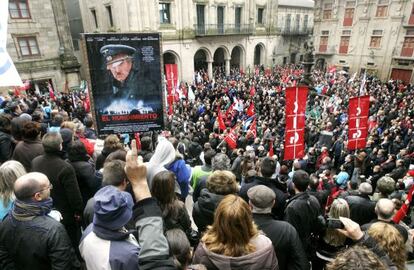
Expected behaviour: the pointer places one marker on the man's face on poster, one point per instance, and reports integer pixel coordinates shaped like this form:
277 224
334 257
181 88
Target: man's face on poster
120 66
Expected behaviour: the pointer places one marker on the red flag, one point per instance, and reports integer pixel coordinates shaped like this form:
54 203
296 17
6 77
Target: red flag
222 125
51 92
271 151
252 91
17 91
231 139
251 111
295 122
171 71
230 109
138 140
252 129
358 122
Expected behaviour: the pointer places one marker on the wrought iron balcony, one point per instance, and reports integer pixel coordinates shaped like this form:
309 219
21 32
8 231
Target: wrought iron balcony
294 31
222 29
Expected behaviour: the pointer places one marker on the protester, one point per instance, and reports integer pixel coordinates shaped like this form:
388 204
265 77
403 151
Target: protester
9 172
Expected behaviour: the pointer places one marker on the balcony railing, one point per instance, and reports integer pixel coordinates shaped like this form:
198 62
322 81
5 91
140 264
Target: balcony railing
325 50
222 29
285 31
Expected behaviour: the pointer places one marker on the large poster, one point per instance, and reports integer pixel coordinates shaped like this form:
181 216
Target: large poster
125 77
295 122
358 122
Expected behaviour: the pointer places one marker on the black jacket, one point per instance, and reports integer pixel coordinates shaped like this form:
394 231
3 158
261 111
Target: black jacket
362 209
6 147
281 196
204 208
87 180
41 243
66 195
286 242
26 151
302 211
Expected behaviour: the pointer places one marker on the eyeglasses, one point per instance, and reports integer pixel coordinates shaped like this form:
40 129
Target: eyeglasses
48 187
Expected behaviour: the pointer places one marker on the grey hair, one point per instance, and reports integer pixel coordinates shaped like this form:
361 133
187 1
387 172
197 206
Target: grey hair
52 141
220 162
9 172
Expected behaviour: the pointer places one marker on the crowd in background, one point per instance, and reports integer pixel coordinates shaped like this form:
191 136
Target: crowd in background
188 200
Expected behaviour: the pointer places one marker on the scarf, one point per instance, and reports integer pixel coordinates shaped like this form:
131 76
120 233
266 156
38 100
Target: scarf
25 211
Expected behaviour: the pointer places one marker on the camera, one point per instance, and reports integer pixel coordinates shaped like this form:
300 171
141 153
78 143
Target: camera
334 223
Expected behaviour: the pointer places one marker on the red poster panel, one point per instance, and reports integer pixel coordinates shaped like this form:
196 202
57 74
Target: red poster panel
171 74
358 122
295 122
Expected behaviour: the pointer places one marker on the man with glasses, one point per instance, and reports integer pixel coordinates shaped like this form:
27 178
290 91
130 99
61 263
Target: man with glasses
126 90
29 237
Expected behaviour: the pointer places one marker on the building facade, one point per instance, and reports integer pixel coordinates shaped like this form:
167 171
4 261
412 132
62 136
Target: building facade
40 45
197 34
376 36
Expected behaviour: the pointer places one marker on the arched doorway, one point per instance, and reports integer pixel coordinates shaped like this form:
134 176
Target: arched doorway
218 58
200 60
320 64
236 58
259 55
169 58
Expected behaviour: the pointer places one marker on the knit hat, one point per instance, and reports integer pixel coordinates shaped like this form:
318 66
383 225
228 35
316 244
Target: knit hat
261 196
113 208
342 179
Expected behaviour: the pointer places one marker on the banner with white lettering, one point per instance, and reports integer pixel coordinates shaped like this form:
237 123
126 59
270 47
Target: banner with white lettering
358 112
8 73
295 122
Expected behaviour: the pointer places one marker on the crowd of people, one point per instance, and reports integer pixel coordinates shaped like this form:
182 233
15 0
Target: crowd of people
186 199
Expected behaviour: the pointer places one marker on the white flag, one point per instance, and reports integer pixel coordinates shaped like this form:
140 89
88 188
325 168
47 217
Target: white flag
361 89
8 72
191 96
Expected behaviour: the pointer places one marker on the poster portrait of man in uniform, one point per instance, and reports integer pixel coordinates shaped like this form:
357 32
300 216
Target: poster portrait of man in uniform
126 84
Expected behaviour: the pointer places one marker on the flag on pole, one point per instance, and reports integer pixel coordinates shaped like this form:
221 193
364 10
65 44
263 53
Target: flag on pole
251 111
221 124
248 122
51 91
361 89
252 130
231 139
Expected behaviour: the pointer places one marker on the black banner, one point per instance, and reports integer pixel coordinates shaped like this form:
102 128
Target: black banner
125 79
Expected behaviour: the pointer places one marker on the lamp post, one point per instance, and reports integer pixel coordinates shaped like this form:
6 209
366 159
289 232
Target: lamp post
308 62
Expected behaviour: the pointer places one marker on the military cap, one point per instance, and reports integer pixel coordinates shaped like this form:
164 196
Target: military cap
110 50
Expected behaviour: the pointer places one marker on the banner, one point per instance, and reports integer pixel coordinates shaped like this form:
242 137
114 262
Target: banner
251 111
171 72
295 122
221 124
125 77
358 122
8 73
252 130
231 139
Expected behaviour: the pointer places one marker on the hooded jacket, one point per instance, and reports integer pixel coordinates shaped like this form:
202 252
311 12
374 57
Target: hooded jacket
164 155
264 258
204 208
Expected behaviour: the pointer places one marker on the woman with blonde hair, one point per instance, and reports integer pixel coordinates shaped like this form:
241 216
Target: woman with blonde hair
9 172
331 240
111 144
391 241
233 241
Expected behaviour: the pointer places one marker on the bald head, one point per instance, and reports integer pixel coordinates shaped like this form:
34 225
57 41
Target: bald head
27 185
384 209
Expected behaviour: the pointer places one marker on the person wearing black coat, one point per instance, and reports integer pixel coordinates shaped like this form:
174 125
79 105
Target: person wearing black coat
362 209
85 171
66 195
6 139
284 237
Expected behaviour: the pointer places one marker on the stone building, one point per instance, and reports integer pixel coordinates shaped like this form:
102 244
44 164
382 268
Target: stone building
376 36
200 33
40 45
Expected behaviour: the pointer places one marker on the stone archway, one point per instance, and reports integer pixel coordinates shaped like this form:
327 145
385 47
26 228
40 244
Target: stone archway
200 60
237 58
259 54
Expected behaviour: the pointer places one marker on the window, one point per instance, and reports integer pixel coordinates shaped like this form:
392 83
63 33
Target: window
111 19
323 44
375 42
164 13
19 9
327 11
325 33
382 8
95 19
200 19
411 19
297 21
410 32
220 19
237 16
349 16
305 22
346 32
343 46
28 46
260 12
287 24
408 47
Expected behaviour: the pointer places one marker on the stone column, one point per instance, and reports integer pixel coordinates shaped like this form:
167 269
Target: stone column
210 69
227 66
